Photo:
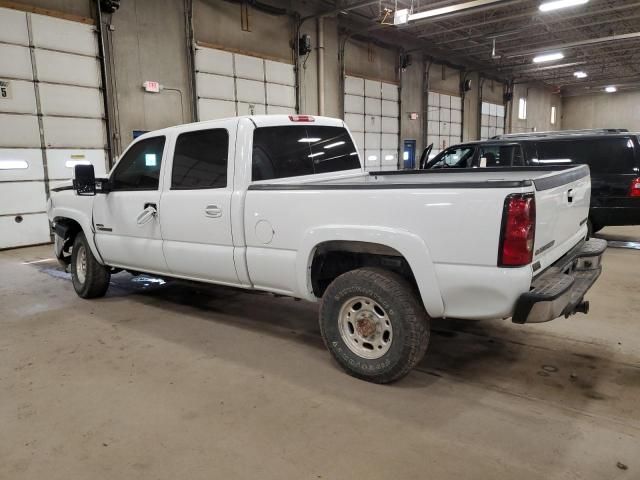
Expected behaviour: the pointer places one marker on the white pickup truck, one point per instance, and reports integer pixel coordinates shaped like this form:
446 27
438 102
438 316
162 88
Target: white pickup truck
282 204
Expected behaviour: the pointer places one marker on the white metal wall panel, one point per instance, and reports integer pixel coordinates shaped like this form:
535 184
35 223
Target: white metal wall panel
67 132
22 197
353 104
371 141
491 120
358 139
209 109
278 110
249 67
372 88
209 60
14 27
64 35
251 108
71 101
61 162
281 95
390 92
15 62
250 91
389 159
354 85
30 230
70 69
354 121
389 141
217 87
279 72
390 108
444 120
20 131
372 106
22 98
390 125
373 123
33 159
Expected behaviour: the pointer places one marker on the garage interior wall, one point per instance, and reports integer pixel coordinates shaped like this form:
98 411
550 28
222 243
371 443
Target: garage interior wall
604 110
51 116
539 102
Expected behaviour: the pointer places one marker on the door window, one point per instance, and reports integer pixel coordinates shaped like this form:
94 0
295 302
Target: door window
456 157
603 155
200 160
500 156
291 151
139 168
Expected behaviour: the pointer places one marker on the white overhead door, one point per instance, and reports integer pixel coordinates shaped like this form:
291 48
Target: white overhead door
371 111
230 84
491 120
51 116
444 121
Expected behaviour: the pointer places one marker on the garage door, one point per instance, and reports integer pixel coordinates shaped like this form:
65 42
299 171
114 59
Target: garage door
371 111
51 116
230 84
491 120
444 121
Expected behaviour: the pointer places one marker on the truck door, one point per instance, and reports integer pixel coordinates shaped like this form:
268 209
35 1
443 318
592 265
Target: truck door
126 219
196 205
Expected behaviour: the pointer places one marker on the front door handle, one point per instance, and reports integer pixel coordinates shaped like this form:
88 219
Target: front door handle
570 195
149 212
213 211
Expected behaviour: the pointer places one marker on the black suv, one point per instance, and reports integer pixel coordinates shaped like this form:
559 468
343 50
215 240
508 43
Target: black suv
612 155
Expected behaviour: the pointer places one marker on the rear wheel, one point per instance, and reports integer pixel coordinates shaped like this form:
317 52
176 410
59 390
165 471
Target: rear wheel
89 278
373 324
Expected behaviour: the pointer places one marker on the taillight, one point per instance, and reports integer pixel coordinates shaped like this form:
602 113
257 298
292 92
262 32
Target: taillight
518 230
634 191
301 118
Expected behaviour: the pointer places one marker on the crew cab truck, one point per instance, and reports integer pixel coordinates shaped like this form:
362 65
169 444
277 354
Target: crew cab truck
282 204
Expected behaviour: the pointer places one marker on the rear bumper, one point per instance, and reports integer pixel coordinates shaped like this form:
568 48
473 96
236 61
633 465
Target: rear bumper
561 288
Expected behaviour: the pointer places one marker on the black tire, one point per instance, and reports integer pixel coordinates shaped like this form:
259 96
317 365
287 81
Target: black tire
405 316
593 228
94 281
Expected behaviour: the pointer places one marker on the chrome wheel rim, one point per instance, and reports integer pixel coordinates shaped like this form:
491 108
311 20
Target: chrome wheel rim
365 327
81 264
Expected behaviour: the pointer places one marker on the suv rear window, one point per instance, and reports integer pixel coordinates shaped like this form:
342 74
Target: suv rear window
292 151
603 155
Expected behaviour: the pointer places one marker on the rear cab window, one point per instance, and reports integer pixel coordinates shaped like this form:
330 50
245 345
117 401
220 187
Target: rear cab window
293 151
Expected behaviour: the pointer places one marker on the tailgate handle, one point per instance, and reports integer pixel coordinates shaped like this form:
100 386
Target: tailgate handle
570 195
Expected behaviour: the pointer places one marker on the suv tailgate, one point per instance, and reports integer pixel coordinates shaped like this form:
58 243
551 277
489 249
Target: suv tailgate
562 210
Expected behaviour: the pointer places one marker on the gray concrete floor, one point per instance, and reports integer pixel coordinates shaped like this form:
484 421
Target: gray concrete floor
184 381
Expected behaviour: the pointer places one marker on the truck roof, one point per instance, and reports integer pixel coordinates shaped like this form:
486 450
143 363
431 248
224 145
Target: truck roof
258 120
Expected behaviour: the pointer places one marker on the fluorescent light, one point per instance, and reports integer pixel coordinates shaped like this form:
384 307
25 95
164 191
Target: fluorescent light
317 154
548 57
580 74
73 163
331 145
611 89
13 164
403 16
555 160
556 4
309 140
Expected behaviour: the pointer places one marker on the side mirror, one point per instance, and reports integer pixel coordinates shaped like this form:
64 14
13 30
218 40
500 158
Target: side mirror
84 182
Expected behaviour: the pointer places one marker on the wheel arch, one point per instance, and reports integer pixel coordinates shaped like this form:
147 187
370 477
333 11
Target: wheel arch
73 223
396 247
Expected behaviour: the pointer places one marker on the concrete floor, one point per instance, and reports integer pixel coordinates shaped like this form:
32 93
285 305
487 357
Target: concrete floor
183 381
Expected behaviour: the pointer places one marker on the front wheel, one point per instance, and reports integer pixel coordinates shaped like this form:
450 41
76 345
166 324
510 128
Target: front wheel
373 324
89 278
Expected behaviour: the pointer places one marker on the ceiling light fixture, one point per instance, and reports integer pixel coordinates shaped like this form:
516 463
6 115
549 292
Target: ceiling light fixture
610 89
548 57
405 15
580 74
557 4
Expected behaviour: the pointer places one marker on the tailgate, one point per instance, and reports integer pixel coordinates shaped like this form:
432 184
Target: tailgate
562 209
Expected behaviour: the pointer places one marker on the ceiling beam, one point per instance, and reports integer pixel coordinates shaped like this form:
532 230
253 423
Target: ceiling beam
579 43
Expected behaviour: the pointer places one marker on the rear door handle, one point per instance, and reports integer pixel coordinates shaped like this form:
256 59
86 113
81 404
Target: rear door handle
570 195
213 211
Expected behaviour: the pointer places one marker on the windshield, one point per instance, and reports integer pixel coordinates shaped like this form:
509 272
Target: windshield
455 157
